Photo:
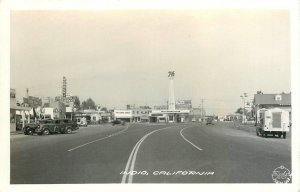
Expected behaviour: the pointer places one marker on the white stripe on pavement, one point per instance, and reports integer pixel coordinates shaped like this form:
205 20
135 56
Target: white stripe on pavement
117 133
129 161
133 154
188 140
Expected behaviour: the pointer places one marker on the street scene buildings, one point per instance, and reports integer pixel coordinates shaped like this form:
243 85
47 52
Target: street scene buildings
150 97
63 107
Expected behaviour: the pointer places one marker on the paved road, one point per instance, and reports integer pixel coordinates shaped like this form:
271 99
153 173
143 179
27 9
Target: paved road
154 153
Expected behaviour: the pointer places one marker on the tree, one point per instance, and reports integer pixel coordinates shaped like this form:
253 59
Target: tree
103 109
239 110
77 102
88 104
248 113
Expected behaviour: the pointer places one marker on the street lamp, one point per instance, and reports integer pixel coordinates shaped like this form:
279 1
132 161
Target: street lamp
243 98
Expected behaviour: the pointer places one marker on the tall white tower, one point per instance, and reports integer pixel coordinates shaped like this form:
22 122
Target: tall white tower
171 103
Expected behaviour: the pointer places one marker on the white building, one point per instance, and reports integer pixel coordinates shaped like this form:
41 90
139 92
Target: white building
54 110
124 115
91 115
95 117
170 116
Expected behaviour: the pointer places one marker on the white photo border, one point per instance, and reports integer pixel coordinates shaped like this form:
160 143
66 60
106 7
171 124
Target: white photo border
6 6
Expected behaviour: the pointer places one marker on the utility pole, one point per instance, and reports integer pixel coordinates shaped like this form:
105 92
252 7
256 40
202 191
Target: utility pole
202 108
243 98
27 91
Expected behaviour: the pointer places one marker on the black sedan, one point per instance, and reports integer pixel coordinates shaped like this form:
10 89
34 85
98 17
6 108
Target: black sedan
117 122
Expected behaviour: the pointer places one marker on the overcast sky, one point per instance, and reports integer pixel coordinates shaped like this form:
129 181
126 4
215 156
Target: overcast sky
123 57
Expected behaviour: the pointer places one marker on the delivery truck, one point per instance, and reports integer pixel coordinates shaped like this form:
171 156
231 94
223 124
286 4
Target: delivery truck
272 122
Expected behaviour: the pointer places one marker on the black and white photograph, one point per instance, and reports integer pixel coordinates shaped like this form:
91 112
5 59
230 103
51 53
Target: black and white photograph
183 96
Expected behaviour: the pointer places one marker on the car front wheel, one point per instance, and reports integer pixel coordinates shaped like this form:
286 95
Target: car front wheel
46 132
279 135
30 132
69 131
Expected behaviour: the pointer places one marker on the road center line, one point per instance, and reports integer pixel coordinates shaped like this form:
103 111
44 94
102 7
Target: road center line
114 134
130 159
133 154
134 157
188 140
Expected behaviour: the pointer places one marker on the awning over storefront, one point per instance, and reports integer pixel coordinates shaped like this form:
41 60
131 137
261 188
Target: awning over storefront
19 108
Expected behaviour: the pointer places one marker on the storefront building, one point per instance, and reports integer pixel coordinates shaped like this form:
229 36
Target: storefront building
124 115
17 113
140 115
169 116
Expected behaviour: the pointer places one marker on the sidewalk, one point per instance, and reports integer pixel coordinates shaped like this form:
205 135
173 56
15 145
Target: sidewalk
17 133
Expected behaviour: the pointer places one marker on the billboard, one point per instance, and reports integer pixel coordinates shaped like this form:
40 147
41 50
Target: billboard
183 104
67 99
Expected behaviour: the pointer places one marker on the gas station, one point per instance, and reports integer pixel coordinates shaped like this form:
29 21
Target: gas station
171 115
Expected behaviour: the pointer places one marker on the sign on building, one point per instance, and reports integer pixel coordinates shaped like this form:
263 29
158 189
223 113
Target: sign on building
184 104
67 99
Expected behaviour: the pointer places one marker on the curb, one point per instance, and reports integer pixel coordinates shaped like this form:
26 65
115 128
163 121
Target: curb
17 133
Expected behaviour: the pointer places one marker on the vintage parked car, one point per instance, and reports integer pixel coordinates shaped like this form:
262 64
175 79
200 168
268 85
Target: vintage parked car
58 126
82 122
209 121
117 122
31 128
